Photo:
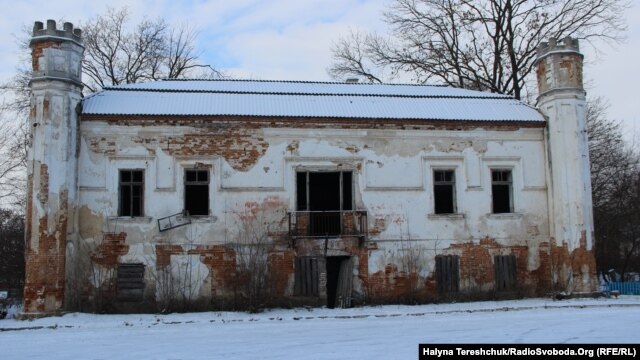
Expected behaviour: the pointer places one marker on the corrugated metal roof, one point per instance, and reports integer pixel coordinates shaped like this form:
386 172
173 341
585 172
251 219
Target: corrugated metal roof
306 99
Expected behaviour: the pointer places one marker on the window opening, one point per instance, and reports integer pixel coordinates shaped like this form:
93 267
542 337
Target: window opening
131 193
501 191
196 192
444 194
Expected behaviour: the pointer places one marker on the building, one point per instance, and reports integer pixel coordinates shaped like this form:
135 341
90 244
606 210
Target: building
224 191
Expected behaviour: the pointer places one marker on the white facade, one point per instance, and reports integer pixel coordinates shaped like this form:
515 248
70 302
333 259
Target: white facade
321 193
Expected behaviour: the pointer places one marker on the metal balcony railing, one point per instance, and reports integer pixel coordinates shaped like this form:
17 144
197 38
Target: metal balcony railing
323 224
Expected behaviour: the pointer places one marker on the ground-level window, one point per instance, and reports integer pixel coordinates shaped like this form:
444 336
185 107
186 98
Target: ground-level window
502 191
196 191
448 274
444 194
131 193
306 276
505 272
130 282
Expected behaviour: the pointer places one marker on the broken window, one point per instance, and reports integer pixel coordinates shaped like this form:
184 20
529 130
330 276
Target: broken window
501 191
306 276
444 194
447 274
130 285
505 272
196 191
131 193
325 194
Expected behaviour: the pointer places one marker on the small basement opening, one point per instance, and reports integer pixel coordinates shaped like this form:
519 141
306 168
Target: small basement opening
339 278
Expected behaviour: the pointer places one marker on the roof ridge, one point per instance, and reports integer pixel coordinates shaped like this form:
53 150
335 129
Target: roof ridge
283 93
299 82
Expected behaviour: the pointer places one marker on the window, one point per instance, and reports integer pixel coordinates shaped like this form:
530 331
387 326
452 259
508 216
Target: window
324 191
130 282
196 191
131 193
501 191
325 195
444 194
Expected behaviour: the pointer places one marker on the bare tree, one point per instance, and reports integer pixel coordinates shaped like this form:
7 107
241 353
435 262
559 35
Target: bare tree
615 179
12 251
486 45
115 53
13 141
152 50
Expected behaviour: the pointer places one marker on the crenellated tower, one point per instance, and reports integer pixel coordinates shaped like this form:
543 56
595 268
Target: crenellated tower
56 92
562 100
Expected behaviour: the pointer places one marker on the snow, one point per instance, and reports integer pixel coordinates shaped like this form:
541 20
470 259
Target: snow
366 332
306 99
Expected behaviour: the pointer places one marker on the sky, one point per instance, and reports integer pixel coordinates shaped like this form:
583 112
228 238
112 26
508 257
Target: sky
291 39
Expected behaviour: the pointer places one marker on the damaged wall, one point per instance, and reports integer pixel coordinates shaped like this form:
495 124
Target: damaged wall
515 218
400 212
52 164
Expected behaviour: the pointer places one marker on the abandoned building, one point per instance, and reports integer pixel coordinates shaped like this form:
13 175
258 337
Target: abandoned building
316 193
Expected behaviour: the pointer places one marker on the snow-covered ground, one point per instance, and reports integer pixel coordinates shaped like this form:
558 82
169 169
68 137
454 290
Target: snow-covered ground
389 332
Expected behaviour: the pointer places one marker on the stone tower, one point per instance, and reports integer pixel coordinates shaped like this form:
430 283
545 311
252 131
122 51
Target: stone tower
56 92
562 100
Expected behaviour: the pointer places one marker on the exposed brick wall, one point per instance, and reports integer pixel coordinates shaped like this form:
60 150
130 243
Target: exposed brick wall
239 140
109 251
215 123
37 50
221 261
573 268
241 145
476 273
281 270
45 276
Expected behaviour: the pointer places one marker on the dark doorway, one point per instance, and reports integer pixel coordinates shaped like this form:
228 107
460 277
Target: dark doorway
339 278
325 195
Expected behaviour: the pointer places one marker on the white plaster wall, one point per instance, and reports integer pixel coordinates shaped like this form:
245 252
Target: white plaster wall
392 175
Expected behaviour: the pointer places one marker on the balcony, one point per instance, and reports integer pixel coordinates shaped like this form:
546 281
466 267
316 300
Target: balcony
328 224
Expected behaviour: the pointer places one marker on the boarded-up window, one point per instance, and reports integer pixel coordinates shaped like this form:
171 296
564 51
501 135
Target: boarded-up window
505 271
448 273
130 282
306 276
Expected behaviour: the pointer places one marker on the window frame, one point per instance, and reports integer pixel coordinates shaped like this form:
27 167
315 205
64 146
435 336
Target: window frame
197 182
131 183
502 182
451 183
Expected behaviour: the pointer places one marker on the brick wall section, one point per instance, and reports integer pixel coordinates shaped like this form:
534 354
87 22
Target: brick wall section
573 267
240 144
43 194
29 212
45 278
37 50
281 270
109 251
239 140
221 261
164 252
476 273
